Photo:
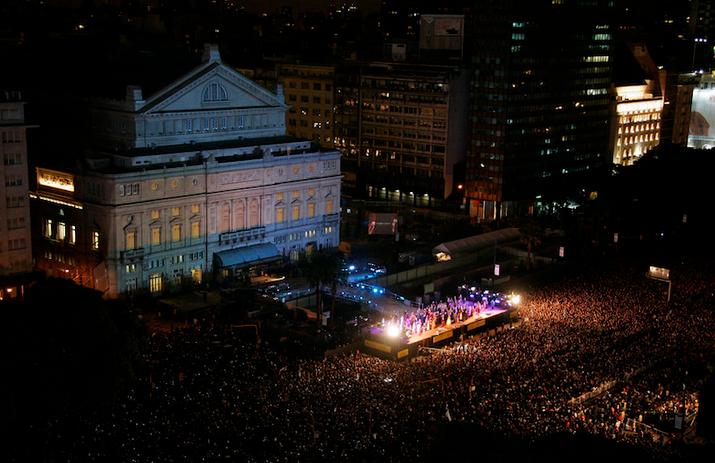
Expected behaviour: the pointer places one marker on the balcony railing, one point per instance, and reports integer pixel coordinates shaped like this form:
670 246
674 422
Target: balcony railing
241 236
133 255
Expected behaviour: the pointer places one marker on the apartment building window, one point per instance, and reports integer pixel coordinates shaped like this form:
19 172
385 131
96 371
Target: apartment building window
129 189
155 282
13 180
155 235
280 197
15 223
48 228
329 206
13 245
73 234
131 239
311 210
175 211
131 285
12 159
195 229
61 231
195 208
295 212
311 193
14 201
130 268
176 232
95 240
155 214
280 214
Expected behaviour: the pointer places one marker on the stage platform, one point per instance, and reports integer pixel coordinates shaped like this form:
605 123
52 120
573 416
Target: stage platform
378 342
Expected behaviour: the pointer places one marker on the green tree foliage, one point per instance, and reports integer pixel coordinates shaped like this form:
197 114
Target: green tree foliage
322 268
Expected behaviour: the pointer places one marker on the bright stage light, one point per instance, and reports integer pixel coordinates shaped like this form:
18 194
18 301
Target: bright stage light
393 331
515 299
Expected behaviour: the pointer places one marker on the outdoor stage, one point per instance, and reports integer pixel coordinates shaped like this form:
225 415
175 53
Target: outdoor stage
378 342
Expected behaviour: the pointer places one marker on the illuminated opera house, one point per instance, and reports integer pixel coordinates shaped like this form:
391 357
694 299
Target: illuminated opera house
193 181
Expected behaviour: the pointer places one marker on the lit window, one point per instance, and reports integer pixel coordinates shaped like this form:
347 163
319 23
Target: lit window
280 197
176 232
295 194
73 234
61 231
311 209
295 212
131 239
280 214
155 235
155 214
195 229
311 192
329 206
195 208
155 283
95 240
130 268
175 211
48 228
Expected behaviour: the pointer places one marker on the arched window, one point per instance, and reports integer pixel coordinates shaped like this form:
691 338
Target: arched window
215 92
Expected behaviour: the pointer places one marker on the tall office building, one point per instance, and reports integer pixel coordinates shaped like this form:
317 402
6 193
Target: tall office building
412 132
193 180
309 94
15 244
541 104
675 123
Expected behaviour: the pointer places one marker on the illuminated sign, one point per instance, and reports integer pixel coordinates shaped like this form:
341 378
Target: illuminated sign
54 179
659 272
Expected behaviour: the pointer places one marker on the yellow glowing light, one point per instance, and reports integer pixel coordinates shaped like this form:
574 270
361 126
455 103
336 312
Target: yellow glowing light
53 179
393 331
515 299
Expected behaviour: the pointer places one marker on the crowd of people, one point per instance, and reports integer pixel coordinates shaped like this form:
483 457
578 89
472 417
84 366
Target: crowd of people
210 395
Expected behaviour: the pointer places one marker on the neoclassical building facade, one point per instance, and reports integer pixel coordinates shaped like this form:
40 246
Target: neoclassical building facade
198 178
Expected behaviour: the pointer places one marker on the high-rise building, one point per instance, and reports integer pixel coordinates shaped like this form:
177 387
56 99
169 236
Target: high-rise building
540 101
412 132
636 122
195 180
15 243
702 119
675 121
309 92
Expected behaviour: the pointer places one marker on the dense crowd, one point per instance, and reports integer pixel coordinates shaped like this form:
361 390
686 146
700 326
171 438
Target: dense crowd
211 396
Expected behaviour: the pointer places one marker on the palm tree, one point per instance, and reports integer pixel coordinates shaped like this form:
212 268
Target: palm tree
322 268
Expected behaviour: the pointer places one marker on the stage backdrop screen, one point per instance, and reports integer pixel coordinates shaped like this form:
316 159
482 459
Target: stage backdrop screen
380 223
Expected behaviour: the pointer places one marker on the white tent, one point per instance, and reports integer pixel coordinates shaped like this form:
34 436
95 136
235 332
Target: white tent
456 248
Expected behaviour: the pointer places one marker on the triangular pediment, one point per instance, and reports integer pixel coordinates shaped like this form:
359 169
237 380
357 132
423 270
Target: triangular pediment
212 86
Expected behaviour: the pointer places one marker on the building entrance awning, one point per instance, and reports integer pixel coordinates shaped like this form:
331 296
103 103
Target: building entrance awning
247 256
